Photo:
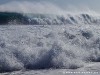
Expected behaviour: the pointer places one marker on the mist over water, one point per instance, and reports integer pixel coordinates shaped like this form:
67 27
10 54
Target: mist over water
31 7
42 8
44 13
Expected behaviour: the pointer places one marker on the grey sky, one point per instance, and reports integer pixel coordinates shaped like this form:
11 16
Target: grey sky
92 4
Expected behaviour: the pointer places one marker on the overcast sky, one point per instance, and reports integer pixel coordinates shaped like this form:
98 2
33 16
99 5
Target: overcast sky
92 4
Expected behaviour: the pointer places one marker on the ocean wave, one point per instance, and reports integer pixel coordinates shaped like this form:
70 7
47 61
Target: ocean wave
47 19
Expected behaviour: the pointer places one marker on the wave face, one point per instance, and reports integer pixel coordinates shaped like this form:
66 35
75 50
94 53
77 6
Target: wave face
47 19
44 47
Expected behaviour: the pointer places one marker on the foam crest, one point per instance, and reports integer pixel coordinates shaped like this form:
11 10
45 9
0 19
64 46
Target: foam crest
47 19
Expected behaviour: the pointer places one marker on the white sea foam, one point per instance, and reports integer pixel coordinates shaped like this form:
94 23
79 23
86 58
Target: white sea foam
41 47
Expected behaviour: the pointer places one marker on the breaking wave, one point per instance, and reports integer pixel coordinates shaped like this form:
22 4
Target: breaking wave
42 43
47 19
43 13
45 47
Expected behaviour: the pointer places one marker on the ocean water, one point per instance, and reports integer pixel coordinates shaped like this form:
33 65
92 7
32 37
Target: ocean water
48 41
44 47
15 18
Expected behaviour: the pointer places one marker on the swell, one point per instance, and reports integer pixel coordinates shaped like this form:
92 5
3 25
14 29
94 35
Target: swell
46 19
7 17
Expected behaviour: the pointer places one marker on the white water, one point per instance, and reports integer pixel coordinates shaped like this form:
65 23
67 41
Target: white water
81 18
41 47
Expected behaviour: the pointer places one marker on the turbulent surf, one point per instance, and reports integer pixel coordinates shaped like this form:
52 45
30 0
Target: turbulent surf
49 39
